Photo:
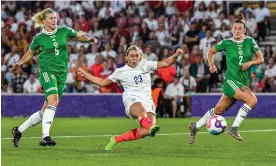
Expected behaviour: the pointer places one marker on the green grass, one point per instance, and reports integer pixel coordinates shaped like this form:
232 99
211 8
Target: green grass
258 148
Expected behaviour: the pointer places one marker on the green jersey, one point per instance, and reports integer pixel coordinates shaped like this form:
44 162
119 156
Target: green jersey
238 53
54 55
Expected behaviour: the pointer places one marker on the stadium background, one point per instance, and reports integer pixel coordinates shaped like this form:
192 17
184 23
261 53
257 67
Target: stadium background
81 140
157 27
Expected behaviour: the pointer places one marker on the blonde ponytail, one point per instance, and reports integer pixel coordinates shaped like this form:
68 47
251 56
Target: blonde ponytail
40 16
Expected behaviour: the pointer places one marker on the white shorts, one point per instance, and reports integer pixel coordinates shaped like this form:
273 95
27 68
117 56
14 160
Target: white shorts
147 104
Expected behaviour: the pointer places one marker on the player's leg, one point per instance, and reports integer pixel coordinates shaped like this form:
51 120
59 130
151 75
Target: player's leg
224 103
250 100
33 120
147 122
50 87
139 111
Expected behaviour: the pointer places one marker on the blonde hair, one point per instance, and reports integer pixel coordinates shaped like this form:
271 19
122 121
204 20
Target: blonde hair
135 48
239 19
40 16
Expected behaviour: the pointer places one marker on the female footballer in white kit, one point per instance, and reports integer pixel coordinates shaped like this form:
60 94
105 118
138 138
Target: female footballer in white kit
135 77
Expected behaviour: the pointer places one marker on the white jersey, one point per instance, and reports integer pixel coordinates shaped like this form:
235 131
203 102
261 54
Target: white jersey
135 81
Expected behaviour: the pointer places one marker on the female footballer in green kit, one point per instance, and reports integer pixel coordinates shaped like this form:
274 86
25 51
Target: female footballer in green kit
53 68
240 50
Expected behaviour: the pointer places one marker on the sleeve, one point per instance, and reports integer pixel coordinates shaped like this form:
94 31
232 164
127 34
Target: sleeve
220 46
151 65
254 46
114 77
70 32
34 45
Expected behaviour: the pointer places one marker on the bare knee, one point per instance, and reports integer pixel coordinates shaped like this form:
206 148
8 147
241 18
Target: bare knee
53 103
251 101
137 110
53 100
248 97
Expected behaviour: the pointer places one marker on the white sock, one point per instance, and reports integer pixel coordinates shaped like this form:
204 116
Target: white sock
204 119
33 120
47 120
241 115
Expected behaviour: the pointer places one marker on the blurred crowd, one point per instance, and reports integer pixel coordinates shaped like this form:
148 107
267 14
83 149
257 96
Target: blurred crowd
157 27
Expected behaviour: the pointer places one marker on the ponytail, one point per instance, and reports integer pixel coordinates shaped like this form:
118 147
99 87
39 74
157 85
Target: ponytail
40 16
239 19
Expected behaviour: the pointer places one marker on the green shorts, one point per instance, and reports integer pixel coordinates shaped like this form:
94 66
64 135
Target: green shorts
230 87
52 83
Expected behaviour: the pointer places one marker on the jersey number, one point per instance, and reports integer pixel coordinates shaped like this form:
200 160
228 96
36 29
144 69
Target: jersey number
138 79
56 48
240 57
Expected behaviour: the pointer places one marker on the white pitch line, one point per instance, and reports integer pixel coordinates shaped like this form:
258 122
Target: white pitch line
165 134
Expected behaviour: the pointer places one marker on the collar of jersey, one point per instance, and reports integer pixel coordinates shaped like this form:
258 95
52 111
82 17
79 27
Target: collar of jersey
238 42
49 33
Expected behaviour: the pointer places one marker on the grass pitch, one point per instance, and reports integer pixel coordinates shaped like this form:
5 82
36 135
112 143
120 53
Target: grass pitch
81 142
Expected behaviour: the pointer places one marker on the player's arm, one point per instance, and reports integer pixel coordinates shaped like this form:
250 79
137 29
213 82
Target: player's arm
82 37
93 79
258 60
169 61
26 57
210 55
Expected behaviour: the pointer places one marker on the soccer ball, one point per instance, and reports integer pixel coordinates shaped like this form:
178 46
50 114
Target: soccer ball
216 125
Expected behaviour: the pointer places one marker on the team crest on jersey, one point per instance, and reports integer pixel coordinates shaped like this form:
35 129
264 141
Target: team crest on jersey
53 77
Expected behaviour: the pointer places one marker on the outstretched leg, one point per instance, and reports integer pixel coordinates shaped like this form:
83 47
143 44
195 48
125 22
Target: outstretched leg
147 122
224 103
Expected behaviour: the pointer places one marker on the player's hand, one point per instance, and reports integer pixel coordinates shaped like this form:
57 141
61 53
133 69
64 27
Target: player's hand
246 65
16 65
94 40
80 72
179 52
213 69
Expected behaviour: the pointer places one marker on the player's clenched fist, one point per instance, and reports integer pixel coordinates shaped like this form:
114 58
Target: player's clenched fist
246 65
80 72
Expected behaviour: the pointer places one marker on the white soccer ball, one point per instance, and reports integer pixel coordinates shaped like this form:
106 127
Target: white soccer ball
216 125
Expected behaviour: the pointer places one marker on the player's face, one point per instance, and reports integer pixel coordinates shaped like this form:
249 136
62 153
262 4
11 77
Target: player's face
51 21
238 31
133 58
